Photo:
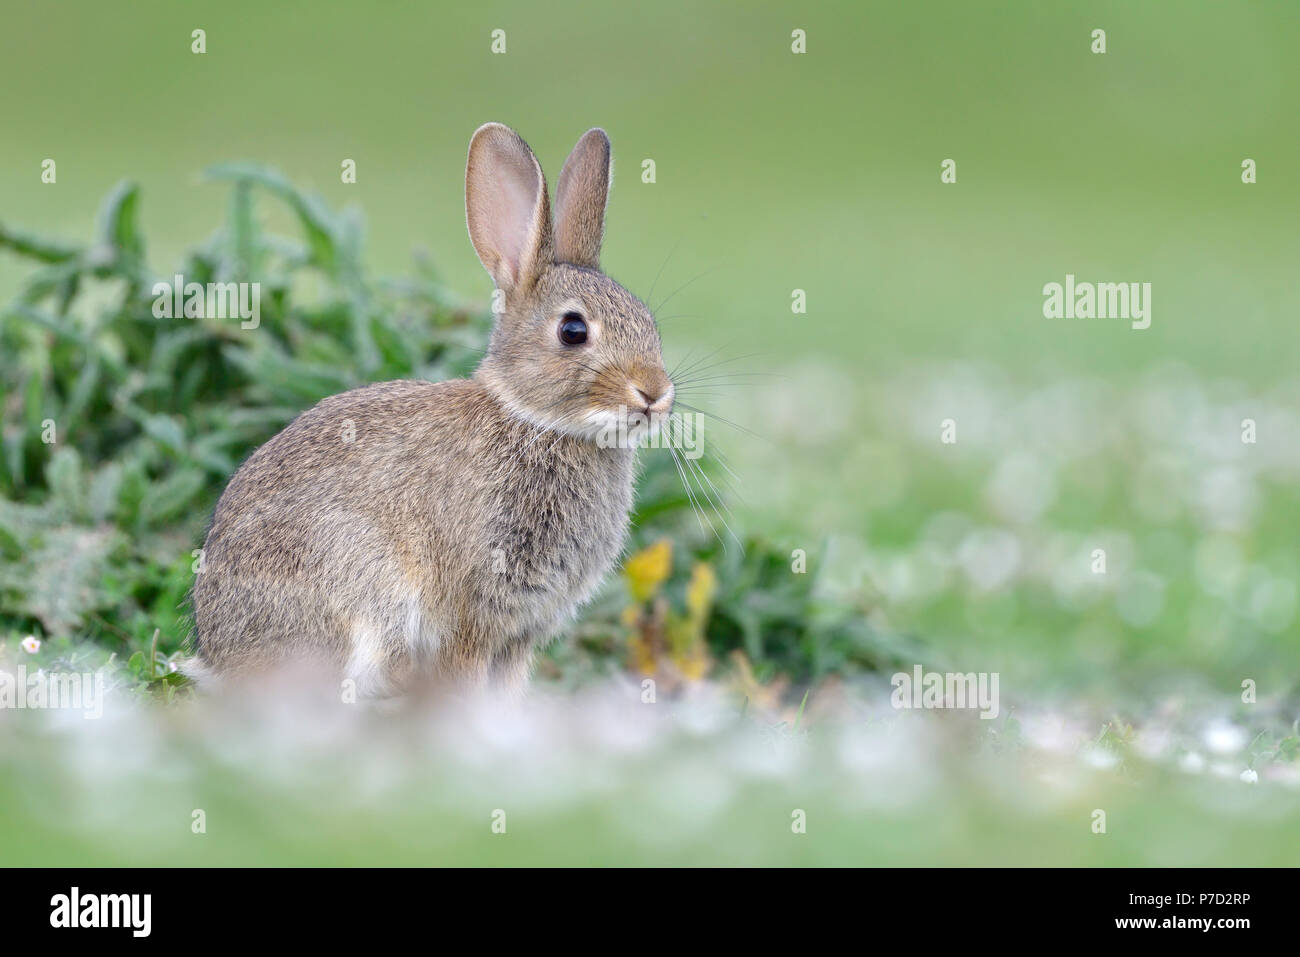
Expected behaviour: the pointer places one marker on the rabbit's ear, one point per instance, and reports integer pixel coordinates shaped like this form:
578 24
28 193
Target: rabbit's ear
580 196
505 207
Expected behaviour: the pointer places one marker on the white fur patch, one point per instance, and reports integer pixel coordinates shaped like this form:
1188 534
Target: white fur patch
197 671
421 636
366 666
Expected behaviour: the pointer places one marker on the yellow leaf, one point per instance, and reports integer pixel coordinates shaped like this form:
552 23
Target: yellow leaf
695 664
647 569
699 593
643 657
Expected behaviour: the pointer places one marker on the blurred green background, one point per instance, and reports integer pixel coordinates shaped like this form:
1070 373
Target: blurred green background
776 171
818 172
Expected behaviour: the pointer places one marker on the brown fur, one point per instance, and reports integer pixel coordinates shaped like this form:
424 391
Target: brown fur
415 530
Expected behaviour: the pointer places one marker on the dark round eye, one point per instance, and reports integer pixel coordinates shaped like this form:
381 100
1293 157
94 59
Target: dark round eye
573 329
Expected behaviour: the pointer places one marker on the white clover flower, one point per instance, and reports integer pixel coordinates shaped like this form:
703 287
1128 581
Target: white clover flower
31 644
1250 776
1222 737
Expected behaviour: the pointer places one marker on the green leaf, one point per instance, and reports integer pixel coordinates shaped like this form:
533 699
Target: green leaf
168 498
58 278
132 489
105 488
324 237
119 226
66 482
45 250
167 432
244 250
83 391
289 379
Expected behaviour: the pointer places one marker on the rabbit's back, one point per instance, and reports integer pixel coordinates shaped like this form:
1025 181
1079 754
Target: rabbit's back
407 527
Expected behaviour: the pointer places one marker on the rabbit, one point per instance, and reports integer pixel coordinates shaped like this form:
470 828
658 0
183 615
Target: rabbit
417 531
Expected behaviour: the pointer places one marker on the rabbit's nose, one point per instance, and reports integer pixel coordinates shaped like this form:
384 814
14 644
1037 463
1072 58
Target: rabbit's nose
655 403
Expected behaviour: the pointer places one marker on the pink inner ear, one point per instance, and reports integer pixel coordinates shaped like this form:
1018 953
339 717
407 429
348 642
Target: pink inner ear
505 198
512 216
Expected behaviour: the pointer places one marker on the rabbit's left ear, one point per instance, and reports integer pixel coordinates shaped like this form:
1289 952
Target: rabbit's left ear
505 207
580 195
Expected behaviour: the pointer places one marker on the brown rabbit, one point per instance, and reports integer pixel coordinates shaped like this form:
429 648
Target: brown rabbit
419 530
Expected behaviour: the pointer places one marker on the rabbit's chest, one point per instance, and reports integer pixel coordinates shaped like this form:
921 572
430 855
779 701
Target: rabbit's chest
559 532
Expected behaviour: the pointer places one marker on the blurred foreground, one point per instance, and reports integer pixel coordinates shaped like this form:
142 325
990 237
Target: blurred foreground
603 778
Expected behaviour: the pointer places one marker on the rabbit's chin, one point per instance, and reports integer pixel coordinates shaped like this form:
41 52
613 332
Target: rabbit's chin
608 428
593 424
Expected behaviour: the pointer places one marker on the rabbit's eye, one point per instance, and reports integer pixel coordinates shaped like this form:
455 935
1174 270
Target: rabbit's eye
573 329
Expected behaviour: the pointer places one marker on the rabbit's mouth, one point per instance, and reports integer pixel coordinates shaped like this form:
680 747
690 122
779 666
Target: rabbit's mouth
620 406
626 426
612 408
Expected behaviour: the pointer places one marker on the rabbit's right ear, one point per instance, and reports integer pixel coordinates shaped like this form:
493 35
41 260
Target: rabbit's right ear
580 196
505 207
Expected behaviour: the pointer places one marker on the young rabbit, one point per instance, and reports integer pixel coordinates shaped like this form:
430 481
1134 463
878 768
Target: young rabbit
410 531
